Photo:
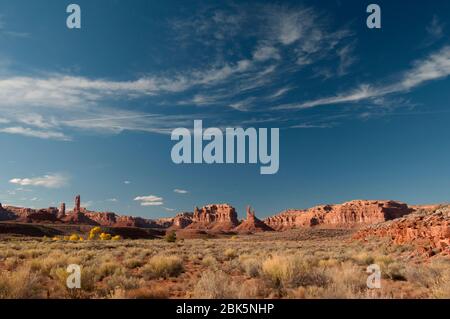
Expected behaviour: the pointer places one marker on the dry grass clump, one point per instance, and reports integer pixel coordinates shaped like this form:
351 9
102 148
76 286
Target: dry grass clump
108 269
209 261
120 281
162 267
292 271
435 277
250 265
134 263
363 259
19 284
230 253
214 285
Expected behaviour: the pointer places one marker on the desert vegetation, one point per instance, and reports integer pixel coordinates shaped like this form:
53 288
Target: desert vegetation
297 264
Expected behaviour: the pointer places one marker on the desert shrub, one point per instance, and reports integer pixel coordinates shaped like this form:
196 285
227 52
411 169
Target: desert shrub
116 238
252 289
277 269
108 269
121 281
214 285
394 271
170 237
12 263
389 268
19 284
328 263
363 259
285 271
209 261
251 266
162 267
94 233
435 277
105 236
441 287
74 237
230 253
346 281
133 263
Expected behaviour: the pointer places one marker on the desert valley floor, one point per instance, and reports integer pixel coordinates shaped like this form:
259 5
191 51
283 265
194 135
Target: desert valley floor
306 263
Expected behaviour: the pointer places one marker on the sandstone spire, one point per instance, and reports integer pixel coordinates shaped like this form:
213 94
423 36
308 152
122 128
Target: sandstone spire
77 208
250 214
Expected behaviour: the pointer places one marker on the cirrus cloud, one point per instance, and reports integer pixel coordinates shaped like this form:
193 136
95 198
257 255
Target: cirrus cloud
48 181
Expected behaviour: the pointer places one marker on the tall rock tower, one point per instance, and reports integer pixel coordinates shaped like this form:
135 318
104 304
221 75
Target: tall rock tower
77 207
250 214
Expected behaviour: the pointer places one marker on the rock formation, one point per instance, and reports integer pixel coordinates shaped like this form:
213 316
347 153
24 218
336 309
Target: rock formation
6 215
427 229
28 215
62 211
351 214
252 224
220 218
77 207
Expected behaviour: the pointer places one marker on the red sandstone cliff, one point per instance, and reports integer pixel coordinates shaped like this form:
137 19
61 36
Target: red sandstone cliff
348 215
29 215
220 218
427 229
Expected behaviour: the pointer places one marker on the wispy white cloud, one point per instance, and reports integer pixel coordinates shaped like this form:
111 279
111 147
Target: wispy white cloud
266 52
25 131
346 58
150 200
48 181
435 30
4 31
180 191
435 66
280 92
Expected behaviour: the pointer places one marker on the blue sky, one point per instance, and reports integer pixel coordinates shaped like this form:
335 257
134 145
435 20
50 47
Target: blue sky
363 114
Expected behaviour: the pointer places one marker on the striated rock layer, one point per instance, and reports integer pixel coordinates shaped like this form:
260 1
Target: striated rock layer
348 215
220 217
428 229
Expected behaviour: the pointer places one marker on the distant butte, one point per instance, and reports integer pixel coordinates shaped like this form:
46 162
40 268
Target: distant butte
221 218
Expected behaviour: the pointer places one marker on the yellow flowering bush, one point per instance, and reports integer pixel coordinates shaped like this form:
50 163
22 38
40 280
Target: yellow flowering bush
105 236
74 237
94 233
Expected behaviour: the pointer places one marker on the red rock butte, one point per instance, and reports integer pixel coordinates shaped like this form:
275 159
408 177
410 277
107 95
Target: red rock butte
428 227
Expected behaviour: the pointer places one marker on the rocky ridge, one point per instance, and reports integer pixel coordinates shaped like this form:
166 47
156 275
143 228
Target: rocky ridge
428 229
347 215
